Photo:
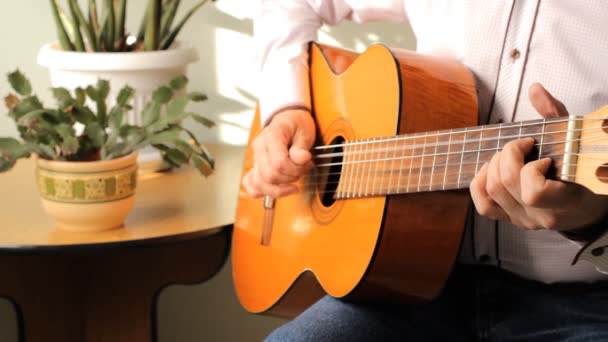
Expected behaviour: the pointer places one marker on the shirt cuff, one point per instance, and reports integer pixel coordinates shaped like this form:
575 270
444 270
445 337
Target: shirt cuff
283 84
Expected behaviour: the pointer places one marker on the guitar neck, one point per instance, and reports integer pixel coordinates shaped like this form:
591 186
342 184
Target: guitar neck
439 160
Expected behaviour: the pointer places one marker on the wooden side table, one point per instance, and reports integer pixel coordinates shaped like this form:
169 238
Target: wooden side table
85 287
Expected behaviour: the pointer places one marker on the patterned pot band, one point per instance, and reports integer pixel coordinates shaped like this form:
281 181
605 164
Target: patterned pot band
87 187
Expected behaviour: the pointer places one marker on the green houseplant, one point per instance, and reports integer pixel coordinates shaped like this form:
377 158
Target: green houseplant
107 32
86 154
95 43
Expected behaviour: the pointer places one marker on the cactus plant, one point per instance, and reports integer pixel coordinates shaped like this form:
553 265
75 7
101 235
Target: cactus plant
52 133
157 31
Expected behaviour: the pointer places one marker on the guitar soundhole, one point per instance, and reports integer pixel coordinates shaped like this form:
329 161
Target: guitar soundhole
605 125
329 176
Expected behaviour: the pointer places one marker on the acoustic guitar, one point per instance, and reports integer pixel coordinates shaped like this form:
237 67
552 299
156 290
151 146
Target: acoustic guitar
382 215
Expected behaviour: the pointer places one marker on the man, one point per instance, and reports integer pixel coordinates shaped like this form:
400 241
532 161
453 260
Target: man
515 281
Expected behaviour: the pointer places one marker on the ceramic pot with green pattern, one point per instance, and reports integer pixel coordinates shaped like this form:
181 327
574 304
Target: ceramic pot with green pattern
88 196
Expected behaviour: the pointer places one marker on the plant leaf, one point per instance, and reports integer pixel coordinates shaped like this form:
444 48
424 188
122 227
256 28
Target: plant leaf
84 115
109 25
176 156
132 135
202 165
38 117
92 93
124 96
81 96
13 148
26 105
152 35
169 135
162 95
6 163
121 16
64 40
179 82
63 97
95 132
88 29
11 101
151 113
103 87
169 10
44 151
69 143
197 96
167 41
202 120
20 83
78 41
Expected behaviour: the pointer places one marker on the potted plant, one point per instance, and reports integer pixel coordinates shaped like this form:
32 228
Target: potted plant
94 44
86 154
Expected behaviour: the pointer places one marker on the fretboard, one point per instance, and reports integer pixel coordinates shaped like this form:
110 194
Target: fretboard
439 160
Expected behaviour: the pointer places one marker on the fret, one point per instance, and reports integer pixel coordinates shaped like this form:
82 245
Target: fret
447 160
531 129
401 158
479 150
440 158
344 172
412 153
385 153
521 123
434 159
464 141
542 139
498 139
375 161
421 169
368 165
350 167
471 147
394 158
357 165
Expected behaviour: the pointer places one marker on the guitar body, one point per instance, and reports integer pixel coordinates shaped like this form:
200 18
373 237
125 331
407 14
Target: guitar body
376 248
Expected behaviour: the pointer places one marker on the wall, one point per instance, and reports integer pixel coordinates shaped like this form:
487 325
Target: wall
221 33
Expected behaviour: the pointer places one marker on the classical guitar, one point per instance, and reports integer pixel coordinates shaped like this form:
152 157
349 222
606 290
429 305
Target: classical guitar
381 217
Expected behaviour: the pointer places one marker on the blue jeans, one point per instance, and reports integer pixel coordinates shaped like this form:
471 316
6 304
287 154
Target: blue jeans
479 304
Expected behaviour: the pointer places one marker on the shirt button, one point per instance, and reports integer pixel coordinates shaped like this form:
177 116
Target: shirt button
514 54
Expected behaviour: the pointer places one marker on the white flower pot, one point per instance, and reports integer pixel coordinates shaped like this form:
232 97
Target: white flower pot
143 71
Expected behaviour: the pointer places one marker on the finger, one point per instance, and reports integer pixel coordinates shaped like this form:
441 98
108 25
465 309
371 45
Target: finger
497 191
277 154
512 161
483 202
260 186
544 103
540 192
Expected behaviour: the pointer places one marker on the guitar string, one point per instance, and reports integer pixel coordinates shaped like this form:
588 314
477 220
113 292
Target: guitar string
441 166
479 140
316 176
455 131
426 186
456 152
588 155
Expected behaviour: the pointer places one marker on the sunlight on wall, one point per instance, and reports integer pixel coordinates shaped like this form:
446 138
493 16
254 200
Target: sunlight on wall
236 80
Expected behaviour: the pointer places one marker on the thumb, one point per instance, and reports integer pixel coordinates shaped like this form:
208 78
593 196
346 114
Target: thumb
544 103
303 139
